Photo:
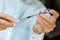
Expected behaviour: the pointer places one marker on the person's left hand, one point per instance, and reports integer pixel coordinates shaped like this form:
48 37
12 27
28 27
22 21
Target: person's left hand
46 24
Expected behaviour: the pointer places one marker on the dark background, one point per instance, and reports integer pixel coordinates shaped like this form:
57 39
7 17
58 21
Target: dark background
53 4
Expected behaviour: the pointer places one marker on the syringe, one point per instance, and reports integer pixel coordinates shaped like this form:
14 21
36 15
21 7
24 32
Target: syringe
46 12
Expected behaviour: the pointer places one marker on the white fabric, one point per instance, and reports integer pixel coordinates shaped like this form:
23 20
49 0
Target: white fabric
22 30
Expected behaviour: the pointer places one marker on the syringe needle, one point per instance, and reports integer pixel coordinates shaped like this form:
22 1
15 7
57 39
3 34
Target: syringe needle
27 17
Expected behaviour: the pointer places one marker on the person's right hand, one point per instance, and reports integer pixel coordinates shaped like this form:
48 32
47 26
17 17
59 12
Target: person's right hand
6 21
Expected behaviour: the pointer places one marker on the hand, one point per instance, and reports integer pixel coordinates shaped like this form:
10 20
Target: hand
5 21
46 24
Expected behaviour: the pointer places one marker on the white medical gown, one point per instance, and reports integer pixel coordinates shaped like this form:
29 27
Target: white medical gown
22 30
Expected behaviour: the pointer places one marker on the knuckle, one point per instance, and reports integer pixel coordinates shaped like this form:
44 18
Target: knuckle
51 22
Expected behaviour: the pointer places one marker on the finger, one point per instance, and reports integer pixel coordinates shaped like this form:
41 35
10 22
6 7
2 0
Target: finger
7 17
2 27
48 25
47 19
53 27
55 14
38 29
44 12
42 24
6 23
